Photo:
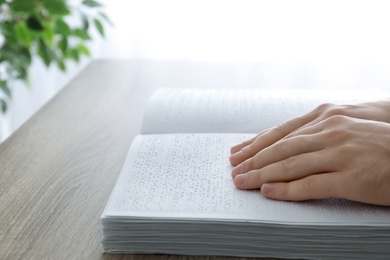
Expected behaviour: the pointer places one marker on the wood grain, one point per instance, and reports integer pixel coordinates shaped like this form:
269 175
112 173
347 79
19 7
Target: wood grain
57 171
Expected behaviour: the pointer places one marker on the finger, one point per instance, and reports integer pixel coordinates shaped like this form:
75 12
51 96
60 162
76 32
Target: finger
238 147
270 137
280 151
290 169
320 186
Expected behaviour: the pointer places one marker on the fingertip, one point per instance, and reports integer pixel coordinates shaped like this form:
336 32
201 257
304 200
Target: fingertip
236 171
236 148
308 188
267 189
236 158
232 161
274 191
240 180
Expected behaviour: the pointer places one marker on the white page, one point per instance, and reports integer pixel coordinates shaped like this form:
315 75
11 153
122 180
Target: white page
187 176
236 111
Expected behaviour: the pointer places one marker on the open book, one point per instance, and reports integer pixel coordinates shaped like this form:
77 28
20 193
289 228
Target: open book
175 194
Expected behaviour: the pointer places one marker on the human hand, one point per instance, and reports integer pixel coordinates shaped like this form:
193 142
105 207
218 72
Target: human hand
376 110
321 155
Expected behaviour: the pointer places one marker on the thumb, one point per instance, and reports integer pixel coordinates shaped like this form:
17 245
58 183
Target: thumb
318 186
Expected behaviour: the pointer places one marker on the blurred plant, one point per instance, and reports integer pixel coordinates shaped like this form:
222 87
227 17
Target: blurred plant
41 28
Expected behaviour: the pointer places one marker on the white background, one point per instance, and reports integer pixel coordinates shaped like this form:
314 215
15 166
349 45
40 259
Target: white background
341 37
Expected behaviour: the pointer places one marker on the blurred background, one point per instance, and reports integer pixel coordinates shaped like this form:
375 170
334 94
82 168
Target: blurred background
346 40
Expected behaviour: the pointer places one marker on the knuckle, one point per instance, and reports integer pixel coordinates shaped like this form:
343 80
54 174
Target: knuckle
285 192
258 177
249 150
247 165
281 129
338 133
323 108
347 150
279 147
246 150
336 120
309 184
289 165
335 110
252 147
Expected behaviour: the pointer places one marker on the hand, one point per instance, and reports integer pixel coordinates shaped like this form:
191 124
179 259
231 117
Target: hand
378 111
321 155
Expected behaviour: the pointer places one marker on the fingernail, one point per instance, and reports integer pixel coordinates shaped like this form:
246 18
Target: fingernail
240 179
267 188
236 171
237 155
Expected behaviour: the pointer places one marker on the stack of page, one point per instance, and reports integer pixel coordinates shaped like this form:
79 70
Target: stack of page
175 194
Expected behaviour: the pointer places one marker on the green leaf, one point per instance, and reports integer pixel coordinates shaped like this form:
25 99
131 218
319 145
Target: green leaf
62 28
5 89
48 35
22 33
22 6
82 34
25 55
74 55
92 3
63 45
34 24
15 55
7 29
3 106
85 21
83 49
61 65
46 54
106 18
22 72
99 27
57 7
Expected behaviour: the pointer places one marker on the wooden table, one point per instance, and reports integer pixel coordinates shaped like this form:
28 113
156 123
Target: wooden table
57 171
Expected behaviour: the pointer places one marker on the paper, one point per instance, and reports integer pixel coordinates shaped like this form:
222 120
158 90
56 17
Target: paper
235 111
188 176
